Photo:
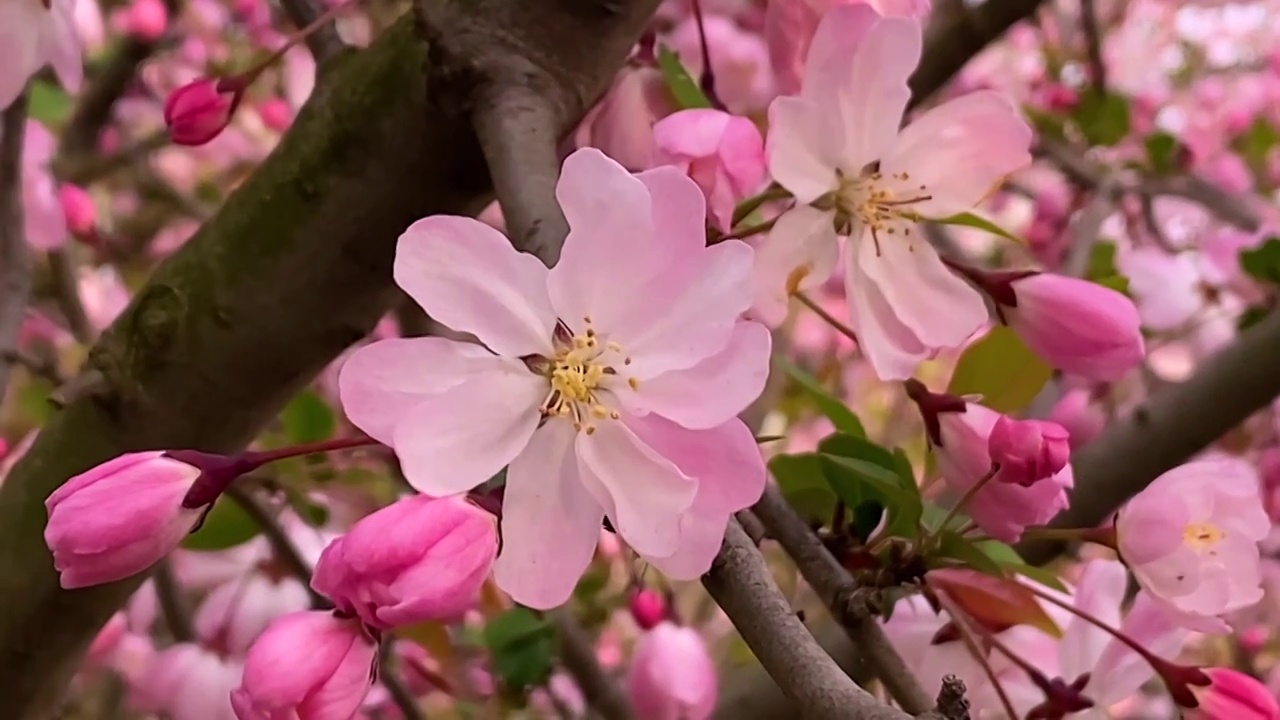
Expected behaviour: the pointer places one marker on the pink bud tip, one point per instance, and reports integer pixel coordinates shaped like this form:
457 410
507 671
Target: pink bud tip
276 114
199 111
648 607
146 19
79 209
1236 696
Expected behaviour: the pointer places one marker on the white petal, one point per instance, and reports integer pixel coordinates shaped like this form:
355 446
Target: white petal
803 148
802 244
872 101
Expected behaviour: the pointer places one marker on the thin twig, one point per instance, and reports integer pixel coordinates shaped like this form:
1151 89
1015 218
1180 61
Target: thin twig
1093 43
971 644
400 695
66 283
743 586
324 41
15 257
578 655
282 545
177 614
835 586
83 170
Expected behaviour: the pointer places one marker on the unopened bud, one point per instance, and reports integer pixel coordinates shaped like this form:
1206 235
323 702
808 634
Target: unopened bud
648 607
200 110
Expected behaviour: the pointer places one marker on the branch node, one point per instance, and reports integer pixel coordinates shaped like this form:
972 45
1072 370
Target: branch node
952 703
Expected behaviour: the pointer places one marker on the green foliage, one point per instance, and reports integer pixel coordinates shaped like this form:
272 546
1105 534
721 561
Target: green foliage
803 484
521 646
1102 118
1162 152
48 103
840 416
989 556
1256 142
1002 369
968 219
1263 262
862 472
308 418
1252 316
1102 261
226 525
684 88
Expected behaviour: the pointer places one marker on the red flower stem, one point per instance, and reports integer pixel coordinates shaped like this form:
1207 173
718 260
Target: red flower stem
263 457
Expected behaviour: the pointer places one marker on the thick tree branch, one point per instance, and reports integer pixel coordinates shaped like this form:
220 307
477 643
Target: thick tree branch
835 586
295 267
959 31
578 655
15 256
741 584
1093 44
1168 429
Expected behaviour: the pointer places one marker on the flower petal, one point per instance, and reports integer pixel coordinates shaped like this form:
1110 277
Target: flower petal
382 382
940 308
466 275
959 151
802 244
729 479
19 48
891 347
550 522
873 97
802 148
61 45
833 48
679 215
689 313
647 494
466 434
713 391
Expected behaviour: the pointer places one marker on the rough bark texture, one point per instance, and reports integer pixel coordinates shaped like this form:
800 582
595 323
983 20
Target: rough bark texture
294 268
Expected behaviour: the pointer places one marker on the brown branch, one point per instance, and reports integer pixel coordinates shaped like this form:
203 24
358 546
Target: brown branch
836 587
282 546
173 606
1169 428
1093 44
15 256
400 695
324 41
578 655
66 284
742 585
957 33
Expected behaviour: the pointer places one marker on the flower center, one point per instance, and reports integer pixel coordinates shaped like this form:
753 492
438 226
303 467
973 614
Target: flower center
1202 537
580 375
880 206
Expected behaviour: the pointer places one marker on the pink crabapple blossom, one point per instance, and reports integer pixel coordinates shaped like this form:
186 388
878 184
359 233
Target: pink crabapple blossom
672 677
44 217
837 148
419 559
1027 451
600 382
1191 540
723 153
32 35
199 111
310 664
187 682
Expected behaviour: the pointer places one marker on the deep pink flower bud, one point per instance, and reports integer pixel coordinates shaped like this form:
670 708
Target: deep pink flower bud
722 153
415 560
276 114
200 110
309 665
79 209
672 676
1235 696
145 19
1027 451
1080 415
118 518
648 608
1078 326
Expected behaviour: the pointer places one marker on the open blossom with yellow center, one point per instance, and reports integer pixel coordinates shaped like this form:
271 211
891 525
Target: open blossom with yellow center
837 148
582 374
1191 540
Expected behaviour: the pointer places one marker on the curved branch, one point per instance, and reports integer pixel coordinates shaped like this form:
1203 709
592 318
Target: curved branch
15 256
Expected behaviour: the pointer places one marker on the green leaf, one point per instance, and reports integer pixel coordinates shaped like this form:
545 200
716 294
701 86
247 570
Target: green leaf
1039 574
993 558
859 471
48 103
953 546
1162 152
226 525
521 646
1263 262
1002 369
308 418
1119 283
968 219
803 484
1256 142
684 88
840 416
1102 261
1103 118
933 516
1252 316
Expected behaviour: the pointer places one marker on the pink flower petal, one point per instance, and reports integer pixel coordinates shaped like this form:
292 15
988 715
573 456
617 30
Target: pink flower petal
466 275
679 215
802 244
61 45
692 133
382 382
890 346
802 147
959 151
872 97
647 494
714 390
730 479
550 522
834 46
941 309
19 48
466 434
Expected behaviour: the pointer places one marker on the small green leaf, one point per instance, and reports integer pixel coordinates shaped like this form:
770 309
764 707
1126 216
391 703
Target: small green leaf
1103 118
48 103
1119 283
1002 553
683 87
1038 574
953 546
968 219
308 418
1162 152
1002 369
1263 262
933 516
860 471
1255 143
803 484
226 525
1102 261
521 646
1252 316
840 416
